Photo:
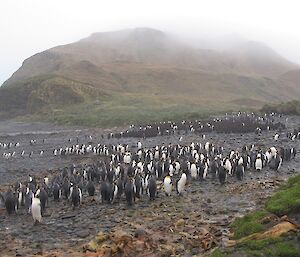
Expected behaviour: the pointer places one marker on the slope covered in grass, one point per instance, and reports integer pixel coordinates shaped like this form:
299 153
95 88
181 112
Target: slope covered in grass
145 68
284 202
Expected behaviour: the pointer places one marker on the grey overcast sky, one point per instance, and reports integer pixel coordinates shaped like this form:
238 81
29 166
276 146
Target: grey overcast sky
31 26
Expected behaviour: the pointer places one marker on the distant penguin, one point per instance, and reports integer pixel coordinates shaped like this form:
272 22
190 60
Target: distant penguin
90 187
46 181
138 186
120 186
177 167
36 209
2 201
276 137
43 196
240 171
10 202
139 145
273 151
152 188
180 185
277 162
194 171
168 185
213 168
28 200
66 188
76 196
171 170
104 191
20 198
258 163
129 192
202 171
222 175
228 166
114 193
56 192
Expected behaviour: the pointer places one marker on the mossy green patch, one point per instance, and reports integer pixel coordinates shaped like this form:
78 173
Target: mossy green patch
218 253
248 224
287 200
271 248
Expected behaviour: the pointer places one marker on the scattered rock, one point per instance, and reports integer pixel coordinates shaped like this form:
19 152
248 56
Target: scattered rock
140 232
83 233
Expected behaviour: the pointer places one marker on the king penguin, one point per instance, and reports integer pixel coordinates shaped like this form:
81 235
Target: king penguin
181 184
36 209
258 163
152 188
168 185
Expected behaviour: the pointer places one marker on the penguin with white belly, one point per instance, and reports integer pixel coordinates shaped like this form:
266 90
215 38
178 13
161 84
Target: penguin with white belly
180 185
194 171
36 209
258 163
168 185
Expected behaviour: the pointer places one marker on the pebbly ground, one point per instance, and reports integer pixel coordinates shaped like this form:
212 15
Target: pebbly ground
170 220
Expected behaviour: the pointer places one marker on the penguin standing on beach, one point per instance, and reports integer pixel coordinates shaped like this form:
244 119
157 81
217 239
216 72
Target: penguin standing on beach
43 196
129 192
10 202
90 188
277 162
258 163
56 192
168 185
180 185
138 185
194 171
36 209
28 200
222 175
240 171
76 195
152 188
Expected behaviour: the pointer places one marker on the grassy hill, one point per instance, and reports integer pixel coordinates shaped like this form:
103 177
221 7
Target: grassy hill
120 77
291 108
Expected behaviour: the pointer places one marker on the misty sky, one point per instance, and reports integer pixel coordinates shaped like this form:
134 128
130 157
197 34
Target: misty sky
31 26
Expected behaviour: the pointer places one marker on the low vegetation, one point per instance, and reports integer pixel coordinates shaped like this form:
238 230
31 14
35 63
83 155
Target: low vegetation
279 247
285 202
249 224
291 108
119 110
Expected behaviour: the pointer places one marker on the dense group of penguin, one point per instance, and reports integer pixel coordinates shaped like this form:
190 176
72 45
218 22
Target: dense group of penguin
130 172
